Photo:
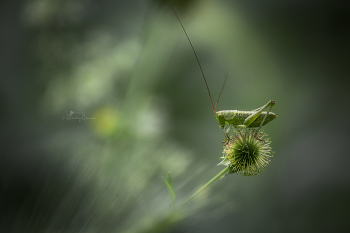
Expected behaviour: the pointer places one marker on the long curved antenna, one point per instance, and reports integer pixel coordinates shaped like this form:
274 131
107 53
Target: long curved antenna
206 84
217 101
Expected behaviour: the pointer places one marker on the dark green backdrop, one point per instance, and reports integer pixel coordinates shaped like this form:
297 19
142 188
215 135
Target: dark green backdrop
129 66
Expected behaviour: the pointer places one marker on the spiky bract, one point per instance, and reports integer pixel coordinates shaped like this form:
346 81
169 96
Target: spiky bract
247 154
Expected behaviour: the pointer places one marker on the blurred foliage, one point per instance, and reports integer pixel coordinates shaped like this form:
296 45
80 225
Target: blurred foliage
128 65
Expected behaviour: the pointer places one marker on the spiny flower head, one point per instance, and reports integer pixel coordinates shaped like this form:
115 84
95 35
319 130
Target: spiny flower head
246 154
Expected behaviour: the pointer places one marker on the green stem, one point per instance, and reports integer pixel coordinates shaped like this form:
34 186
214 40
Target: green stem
204 187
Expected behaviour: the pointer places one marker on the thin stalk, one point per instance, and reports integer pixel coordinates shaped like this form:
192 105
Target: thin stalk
204 187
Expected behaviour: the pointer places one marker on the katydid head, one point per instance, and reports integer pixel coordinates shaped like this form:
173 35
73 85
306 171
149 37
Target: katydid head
221 119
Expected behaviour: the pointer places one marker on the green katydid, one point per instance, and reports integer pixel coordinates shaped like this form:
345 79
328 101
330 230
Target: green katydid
236 118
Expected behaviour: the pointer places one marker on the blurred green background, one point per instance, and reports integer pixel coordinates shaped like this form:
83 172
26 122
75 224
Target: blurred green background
128 65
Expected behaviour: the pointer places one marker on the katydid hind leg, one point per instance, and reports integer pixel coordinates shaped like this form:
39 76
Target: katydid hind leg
255 115
271 103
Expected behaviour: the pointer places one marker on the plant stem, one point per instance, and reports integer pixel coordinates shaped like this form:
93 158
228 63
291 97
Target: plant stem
204 187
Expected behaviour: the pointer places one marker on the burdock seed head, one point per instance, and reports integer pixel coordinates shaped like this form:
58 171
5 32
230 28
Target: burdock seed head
246 154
